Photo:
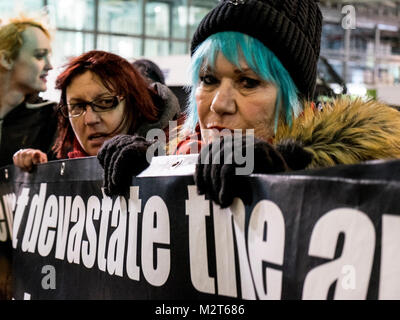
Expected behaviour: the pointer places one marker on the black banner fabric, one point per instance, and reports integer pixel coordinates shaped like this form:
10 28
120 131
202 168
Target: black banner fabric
7 203
322 234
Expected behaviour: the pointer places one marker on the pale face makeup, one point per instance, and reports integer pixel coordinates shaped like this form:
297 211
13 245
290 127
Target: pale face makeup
31 67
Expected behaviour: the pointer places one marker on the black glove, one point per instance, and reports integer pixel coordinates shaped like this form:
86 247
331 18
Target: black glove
220 182
296 157
122 157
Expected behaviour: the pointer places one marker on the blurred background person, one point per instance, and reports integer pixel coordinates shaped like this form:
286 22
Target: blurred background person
156 80
149 70
26 120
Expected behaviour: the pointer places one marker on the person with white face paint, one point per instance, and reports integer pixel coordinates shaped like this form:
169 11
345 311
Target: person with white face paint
26 121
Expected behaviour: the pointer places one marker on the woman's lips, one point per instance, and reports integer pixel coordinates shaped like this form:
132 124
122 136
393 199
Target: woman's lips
219 128
215 132
43 78
97 139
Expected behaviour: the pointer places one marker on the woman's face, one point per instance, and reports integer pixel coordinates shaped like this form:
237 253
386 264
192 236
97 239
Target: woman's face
229 98
31 67
91 128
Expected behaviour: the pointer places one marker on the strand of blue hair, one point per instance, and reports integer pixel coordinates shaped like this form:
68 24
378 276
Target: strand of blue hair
235 47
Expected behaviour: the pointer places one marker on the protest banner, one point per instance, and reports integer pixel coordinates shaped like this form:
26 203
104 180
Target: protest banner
320 234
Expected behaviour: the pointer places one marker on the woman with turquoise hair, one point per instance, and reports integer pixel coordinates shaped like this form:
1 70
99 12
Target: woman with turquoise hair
243 85
254 66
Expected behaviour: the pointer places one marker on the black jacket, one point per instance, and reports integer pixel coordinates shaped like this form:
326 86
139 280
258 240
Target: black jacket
30 125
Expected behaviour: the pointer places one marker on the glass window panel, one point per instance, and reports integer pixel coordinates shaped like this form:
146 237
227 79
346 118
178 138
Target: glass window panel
127 47
332 37
70 44
356 73
65 45
120 16
360 73
180 13
362 40
157 19
73 14
392 40
6 8
155 48
178 48
13 8
31 4
197 12
388 73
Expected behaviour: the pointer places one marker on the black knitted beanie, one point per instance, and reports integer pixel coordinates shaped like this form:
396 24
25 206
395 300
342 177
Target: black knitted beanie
291 29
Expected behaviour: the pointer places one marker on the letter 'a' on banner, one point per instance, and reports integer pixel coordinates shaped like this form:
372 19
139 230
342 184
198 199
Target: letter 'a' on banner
321 234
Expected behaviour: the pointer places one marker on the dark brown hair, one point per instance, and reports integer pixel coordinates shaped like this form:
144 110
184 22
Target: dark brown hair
120 78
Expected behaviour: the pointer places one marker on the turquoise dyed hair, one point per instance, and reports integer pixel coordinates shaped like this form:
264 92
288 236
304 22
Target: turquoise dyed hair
234 46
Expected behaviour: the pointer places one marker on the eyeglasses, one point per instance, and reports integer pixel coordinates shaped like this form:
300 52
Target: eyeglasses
103 104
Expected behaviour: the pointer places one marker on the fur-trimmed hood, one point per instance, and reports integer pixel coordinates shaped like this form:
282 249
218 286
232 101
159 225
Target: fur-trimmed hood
347 131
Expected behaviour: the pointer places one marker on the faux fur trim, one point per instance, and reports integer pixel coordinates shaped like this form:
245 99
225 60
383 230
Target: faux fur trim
346 132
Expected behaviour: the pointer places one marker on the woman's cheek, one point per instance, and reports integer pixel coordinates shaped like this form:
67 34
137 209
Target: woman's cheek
77 128
115 120
203 101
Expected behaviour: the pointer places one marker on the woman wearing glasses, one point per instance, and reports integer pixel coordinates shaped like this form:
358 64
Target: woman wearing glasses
102 96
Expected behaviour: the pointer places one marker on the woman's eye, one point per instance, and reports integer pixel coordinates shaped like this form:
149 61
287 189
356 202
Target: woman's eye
76 107
208 80
249 83
40 54
104 102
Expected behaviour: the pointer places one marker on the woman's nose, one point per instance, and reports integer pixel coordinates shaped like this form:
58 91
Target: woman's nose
91 117
48 65
224 99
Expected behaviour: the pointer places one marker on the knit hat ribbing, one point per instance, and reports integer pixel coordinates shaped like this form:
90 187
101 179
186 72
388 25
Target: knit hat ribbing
291 29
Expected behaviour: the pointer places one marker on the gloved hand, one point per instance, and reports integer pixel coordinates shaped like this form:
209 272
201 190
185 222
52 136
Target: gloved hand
296 157
220 182
122 157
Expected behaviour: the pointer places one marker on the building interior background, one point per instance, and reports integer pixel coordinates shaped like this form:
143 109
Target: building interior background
360 51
